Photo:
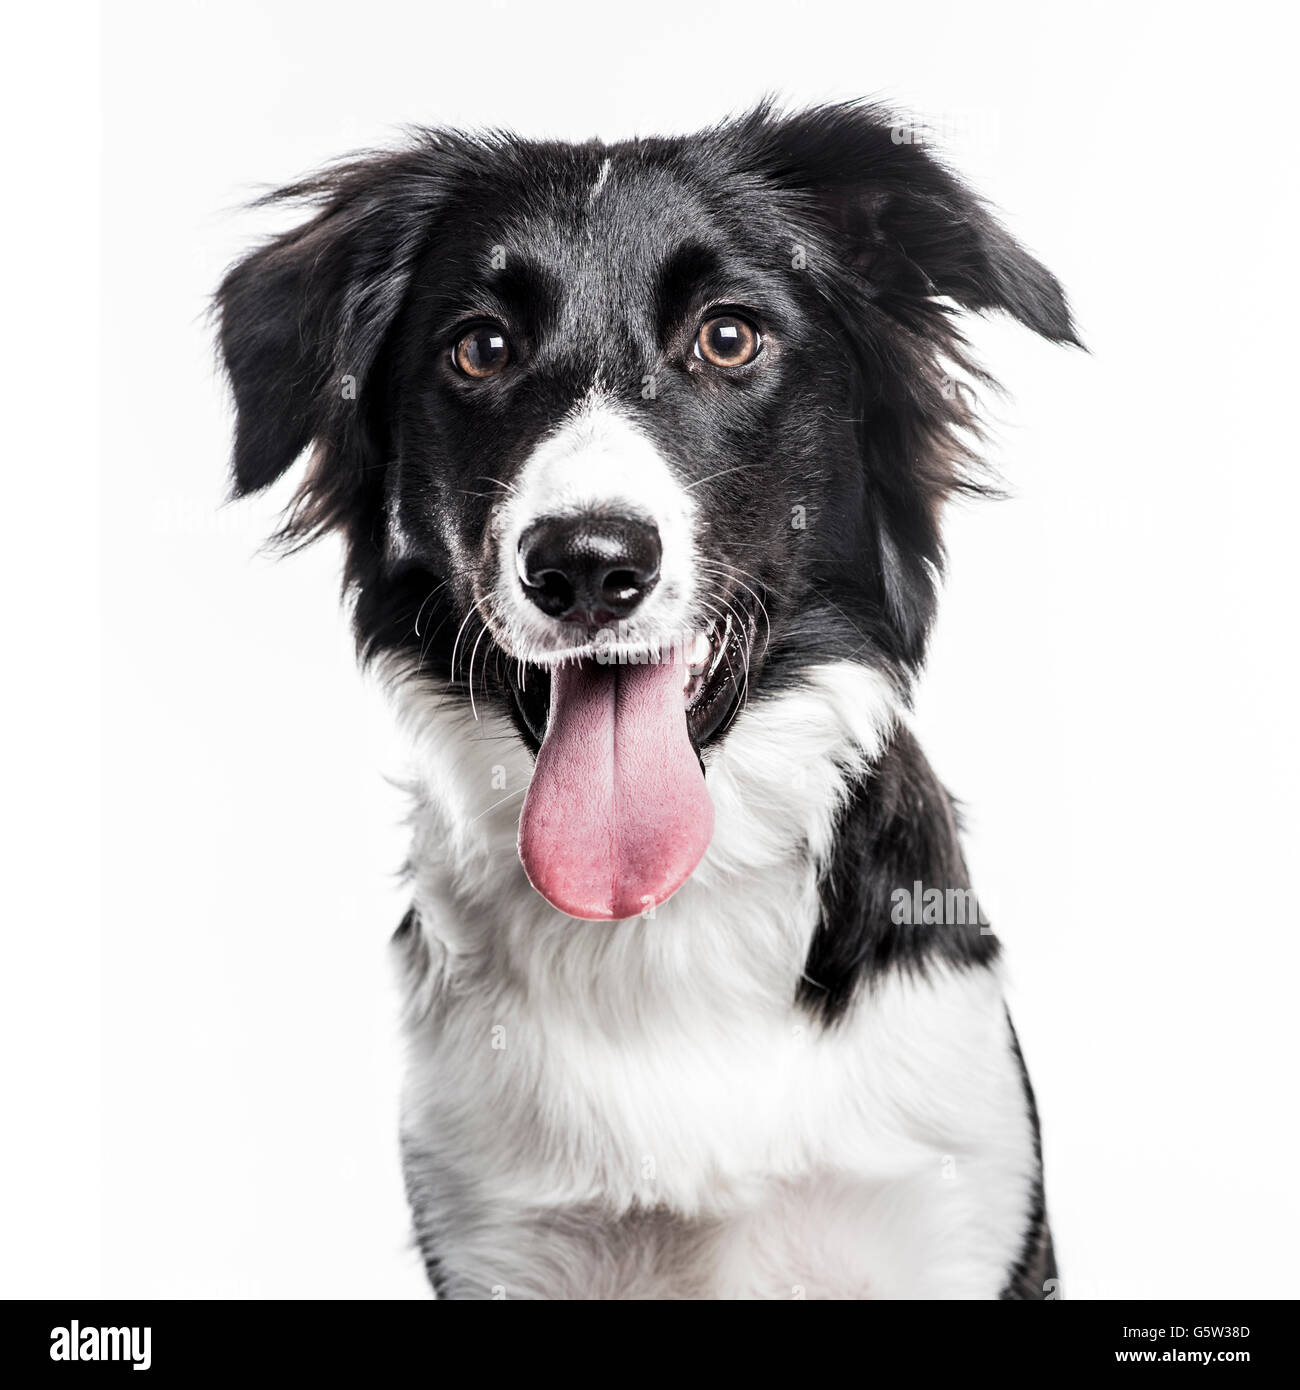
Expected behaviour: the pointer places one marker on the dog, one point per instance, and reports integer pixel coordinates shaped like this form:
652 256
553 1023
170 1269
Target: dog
639 452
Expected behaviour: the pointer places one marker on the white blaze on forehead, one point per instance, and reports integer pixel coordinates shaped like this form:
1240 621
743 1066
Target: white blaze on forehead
599 462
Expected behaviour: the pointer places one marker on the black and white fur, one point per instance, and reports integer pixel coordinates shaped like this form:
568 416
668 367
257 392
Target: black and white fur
767 1088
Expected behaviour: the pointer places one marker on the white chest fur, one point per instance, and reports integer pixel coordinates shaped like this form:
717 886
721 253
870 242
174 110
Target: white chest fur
637 1109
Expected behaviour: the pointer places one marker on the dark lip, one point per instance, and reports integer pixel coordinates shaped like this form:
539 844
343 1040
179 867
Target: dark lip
709 714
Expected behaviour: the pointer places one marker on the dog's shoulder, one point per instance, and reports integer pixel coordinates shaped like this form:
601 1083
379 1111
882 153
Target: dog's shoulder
895 890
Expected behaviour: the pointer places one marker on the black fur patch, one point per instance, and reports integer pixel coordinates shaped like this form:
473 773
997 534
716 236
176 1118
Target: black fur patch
899 829
1036 1268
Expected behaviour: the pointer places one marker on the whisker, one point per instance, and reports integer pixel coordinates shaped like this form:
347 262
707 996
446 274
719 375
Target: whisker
497 482
743 702
722 473
473 709
495 804
456 642
428 641
731 572
437 589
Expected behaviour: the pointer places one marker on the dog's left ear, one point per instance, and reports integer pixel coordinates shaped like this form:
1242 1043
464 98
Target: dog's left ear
910 226
303 318
899 232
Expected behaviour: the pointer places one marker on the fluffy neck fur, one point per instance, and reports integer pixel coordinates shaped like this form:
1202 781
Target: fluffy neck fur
737 932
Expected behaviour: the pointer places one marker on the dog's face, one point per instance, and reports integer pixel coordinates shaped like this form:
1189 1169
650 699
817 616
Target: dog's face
605 394
623 437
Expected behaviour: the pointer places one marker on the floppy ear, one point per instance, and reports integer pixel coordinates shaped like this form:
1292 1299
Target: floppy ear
900 233
303 318
910 226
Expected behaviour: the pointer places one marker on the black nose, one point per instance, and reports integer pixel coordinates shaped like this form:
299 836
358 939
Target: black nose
589 569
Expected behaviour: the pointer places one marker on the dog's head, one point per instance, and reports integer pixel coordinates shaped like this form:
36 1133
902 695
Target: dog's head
620 437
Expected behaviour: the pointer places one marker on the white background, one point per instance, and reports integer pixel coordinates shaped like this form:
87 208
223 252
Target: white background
199 1061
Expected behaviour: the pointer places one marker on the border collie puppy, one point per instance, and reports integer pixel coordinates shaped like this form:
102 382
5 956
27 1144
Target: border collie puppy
639 453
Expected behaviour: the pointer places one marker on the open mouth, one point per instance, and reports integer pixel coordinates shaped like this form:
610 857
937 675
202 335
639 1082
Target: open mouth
715 663
617 814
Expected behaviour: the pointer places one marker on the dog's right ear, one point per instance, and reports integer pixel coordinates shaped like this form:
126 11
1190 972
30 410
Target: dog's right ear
302 319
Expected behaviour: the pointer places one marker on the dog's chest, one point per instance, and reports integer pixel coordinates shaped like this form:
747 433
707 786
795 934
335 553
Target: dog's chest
637 1109
709 1152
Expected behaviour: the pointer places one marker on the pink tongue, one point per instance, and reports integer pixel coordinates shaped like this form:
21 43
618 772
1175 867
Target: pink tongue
617 815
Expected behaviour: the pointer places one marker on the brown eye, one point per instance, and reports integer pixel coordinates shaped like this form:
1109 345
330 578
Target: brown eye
482 352
728 341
